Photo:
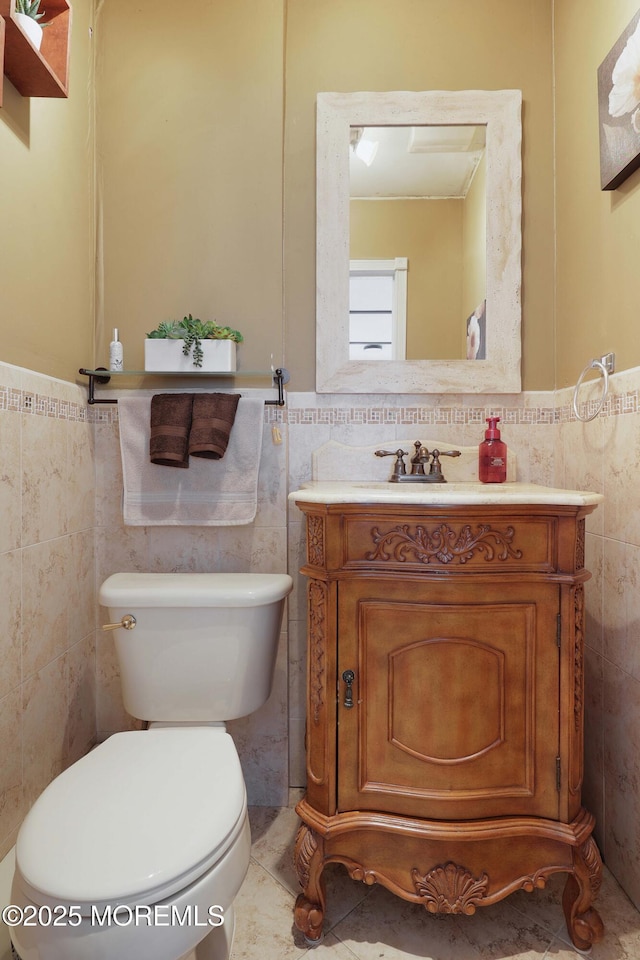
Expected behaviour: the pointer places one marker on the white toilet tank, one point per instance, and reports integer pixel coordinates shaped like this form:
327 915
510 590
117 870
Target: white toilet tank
204 645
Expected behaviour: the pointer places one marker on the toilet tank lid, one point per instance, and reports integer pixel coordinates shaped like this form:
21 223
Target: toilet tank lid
194 589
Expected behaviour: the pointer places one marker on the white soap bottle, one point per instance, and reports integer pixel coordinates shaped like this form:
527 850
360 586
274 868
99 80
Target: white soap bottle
115 352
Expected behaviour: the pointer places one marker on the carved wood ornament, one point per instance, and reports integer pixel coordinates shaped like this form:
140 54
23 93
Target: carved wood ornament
578 654
580 544
590 856
444 543
306 846
315 540
450 889
317 646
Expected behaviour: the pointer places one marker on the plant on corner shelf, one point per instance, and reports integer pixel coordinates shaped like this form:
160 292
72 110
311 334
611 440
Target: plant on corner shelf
31 8
193 332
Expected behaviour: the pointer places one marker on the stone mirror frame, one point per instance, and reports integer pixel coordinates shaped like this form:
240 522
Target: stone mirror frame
500 111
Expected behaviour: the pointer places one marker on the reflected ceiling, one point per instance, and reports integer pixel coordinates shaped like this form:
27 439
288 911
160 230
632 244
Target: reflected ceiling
426 161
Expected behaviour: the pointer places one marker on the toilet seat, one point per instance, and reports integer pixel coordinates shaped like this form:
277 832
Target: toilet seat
140 817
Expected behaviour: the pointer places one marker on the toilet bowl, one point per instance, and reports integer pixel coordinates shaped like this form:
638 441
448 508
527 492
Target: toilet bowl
137 851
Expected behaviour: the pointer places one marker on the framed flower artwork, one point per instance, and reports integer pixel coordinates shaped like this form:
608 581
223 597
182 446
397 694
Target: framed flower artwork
619 108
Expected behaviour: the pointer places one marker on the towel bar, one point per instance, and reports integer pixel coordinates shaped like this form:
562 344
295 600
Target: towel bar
102 375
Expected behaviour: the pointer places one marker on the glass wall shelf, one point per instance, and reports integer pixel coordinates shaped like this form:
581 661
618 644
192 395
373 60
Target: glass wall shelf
100 375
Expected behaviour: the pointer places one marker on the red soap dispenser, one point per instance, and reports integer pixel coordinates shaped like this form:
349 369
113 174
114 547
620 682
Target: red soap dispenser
492 463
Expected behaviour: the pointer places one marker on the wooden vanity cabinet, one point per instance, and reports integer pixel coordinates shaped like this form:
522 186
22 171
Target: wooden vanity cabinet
445 706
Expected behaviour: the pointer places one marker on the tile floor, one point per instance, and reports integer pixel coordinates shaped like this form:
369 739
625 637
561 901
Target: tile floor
368 923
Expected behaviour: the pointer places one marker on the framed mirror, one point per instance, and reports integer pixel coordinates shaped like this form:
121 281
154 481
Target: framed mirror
474 139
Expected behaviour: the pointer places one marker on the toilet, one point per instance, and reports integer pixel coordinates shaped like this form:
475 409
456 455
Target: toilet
137 851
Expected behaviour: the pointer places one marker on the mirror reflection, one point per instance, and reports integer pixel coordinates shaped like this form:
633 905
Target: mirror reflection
465 297
417 195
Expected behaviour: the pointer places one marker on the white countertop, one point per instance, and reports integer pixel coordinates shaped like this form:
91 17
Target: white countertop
470 493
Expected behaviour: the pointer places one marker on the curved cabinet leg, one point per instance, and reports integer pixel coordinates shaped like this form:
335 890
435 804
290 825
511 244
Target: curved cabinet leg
309 862
583 921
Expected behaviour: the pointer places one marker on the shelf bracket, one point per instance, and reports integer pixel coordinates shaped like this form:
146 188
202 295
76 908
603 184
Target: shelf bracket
280 377
93 379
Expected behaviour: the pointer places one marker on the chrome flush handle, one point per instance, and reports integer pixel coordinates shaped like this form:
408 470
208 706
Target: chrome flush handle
128 622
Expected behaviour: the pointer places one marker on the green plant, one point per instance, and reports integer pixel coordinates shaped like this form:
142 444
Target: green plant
30 8
193 332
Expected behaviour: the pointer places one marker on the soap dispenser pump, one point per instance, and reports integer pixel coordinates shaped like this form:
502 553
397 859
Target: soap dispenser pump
492 461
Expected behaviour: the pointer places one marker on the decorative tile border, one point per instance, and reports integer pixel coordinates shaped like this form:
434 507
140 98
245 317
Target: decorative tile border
417 415
42 405
616 404
10 399
103 413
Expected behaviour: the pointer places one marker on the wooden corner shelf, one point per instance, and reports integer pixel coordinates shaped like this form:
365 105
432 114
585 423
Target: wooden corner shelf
1 55
42 73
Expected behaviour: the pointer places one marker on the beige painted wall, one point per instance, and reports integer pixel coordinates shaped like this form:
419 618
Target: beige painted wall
190 214
598 233
373 45
46 212
190 168
429 234
474 243
190 150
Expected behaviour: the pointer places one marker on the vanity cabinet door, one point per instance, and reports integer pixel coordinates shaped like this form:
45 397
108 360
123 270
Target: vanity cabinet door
455 698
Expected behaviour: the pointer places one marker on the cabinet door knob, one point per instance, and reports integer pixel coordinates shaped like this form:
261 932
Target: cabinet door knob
348 676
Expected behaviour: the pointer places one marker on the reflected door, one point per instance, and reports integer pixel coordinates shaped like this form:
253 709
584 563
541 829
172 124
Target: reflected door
378 309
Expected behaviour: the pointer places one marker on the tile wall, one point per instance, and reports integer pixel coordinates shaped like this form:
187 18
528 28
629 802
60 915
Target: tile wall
261 738
58 679
604 455
47 608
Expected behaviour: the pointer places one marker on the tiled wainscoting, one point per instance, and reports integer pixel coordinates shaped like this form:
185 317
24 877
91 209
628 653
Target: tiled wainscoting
47 613
62 533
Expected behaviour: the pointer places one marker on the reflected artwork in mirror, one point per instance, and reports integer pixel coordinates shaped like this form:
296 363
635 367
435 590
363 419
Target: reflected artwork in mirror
431 180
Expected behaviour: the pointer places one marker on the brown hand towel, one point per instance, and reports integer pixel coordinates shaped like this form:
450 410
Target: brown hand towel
170 425
213 416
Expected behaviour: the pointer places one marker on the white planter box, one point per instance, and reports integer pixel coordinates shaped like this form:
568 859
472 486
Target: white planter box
30 27
166 356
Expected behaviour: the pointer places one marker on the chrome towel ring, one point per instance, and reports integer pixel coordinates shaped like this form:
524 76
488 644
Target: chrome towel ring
605 365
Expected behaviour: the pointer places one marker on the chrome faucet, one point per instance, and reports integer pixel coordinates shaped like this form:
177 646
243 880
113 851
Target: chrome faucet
421 459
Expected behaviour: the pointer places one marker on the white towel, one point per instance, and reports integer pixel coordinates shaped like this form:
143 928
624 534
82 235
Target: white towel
210 493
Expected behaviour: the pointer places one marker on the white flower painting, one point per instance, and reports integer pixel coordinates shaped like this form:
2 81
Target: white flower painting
476 333
619 103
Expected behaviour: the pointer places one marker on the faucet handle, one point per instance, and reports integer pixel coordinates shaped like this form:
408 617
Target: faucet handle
446 453
435 471
399 467
390 453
